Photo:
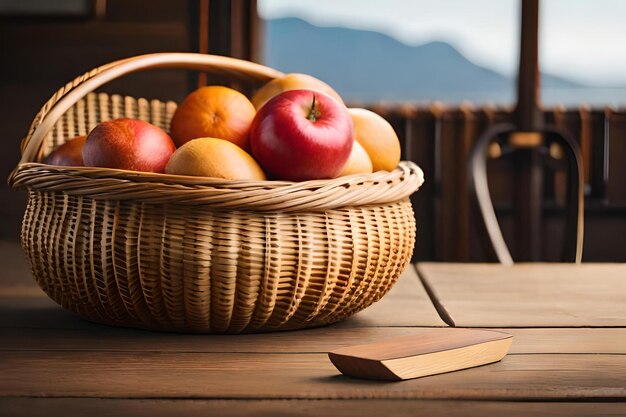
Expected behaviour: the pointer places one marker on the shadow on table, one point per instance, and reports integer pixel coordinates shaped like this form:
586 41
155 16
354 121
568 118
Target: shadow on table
346 380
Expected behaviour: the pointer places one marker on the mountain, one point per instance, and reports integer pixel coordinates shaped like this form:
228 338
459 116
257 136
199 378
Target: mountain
365 65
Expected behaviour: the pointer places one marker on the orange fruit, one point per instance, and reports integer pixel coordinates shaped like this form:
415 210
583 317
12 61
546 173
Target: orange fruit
359 161
378 139
212 157
214 111
292 82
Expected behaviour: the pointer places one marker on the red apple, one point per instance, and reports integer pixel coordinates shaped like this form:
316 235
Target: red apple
302 135
68 154
128 144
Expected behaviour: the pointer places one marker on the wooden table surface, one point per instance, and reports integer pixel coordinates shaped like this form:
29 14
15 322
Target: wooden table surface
568 355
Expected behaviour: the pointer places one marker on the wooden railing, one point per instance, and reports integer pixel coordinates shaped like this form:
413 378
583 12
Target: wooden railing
439 139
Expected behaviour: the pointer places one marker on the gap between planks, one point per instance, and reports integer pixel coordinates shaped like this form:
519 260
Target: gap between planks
443 313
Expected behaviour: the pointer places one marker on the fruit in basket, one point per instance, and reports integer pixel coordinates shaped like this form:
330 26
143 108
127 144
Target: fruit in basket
68 154
214 111
128 144
302 135
292 82
378 139
212 157
359 161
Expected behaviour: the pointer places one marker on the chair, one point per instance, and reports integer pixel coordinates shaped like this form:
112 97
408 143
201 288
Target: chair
526 139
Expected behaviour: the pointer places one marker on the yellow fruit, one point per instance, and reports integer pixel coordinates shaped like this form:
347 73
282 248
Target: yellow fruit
378 139
292 82
212 157
359 161
214 111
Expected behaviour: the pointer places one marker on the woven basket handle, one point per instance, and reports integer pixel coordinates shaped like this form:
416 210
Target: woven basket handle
73 91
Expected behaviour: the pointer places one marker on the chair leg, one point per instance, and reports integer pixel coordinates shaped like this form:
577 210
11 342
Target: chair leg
480 189
574 218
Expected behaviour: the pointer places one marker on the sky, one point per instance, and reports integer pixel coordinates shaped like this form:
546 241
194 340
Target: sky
583 40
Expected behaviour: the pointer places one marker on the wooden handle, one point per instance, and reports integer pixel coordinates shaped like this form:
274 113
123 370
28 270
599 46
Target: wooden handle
72 92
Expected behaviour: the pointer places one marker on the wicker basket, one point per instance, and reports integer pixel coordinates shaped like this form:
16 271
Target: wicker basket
200 255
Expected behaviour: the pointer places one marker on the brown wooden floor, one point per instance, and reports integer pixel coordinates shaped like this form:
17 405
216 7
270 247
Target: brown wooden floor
52 363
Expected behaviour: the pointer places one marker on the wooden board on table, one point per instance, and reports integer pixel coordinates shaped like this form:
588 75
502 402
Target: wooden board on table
426 352
62 407
307 376
529 295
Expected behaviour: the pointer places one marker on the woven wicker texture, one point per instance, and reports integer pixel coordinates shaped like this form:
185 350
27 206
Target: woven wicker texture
194 254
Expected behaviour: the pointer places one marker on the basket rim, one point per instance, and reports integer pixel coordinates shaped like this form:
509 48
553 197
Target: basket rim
88 173
113 184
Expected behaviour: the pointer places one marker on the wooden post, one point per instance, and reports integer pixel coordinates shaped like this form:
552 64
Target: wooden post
528 204
528 167
224 27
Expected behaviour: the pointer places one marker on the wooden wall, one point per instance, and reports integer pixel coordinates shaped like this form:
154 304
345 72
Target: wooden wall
38 55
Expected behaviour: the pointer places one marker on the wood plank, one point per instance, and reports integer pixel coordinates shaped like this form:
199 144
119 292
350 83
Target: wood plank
238 376
417 130
407 304
53 407
616 191
568 340
93 337
529 295
109 339
600 134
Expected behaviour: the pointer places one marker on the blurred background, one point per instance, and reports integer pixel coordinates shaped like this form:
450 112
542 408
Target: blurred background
441 72
451 50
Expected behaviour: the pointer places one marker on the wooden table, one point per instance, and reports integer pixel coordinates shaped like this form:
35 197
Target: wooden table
568 355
